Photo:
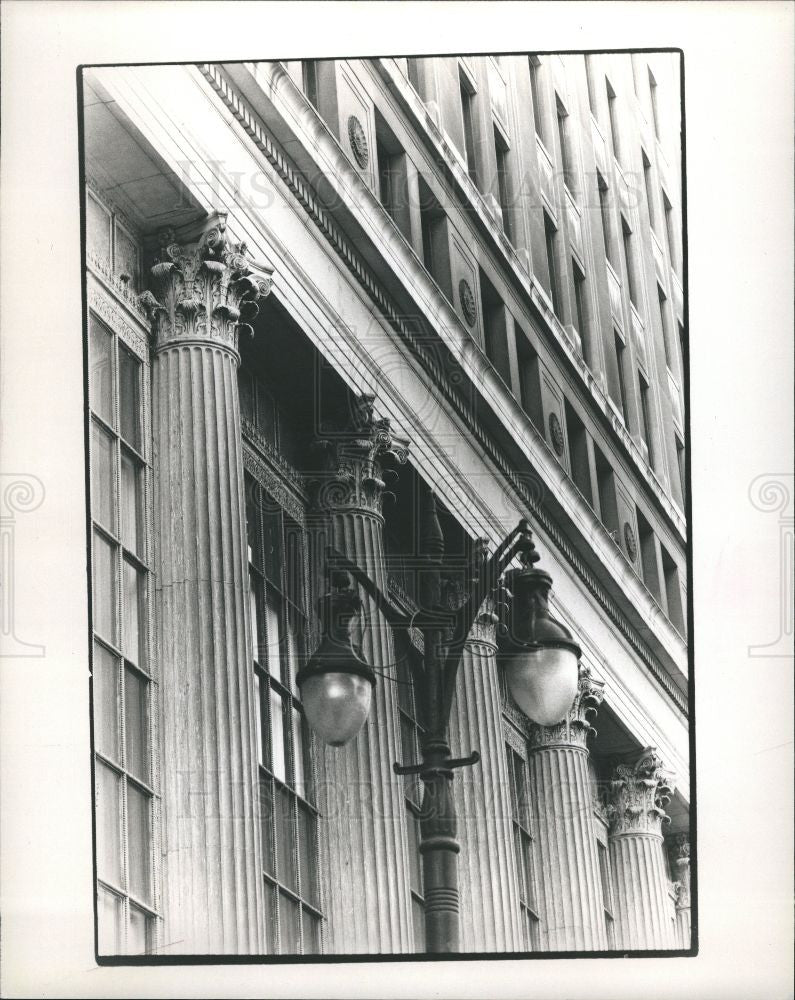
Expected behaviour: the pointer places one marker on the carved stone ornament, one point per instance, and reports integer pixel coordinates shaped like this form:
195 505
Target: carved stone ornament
358 141
679 855
556 433
629 541
467 300
638 795
204 291
350 473
575 729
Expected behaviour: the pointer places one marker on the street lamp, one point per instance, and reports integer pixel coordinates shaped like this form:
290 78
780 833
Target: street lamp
539 655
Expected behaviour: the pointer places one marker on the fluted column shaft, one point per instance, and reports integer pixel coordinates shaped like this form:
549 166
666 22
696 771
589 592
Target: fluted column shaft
640 879
361 825
679 854
488 893
212 896
570 892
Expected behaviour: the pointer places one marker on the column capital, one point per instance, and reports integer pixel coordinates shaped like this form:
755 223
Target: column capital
204 291
351 457
575 729
638 795
679 855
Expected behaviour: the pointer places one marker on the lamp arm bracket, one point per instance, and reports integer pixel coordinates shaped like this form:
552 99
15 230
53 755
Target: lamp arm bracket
396 618
441 767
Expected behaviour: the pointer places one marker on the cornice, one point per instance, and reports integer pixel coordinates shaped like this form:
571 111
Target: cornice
240 108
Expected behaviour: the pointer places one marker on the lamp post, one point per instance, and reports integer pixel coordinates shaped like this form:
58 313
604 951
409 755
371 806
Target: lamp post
539 655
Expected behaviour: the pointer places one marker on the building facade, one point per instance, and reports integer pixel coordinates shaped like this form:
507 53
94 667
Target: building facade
314 292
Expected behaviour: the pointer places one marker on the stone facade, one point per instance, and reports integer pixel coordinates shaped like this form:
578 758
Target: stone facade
467 279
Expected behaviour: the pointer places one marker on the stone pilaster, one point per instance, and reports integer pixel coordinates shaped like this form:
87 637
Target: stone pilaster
567 873
488 899
361 826
202 295
637 797
679 857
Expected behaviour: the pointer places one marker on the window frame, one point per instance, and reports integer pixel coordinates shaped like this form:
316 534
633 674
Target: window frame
281 777
109 310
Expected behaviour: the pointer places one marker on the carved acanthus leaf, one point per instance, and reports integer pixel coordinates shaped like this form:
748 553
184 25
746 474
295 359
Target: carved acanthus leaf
207 290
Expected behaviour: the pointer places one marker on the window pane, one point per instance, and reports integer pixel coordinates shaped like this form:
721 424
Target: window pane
136 730
418 920
103 477
311 933
131 504
104 590
129 409
139 843
106 702
285 833
278 766
133 637
306 854
271 525
273 633
100 367
267 820
253 615
271 924
109 922
258 716
108 790
298 754
292 649
415 867
289 920
137 932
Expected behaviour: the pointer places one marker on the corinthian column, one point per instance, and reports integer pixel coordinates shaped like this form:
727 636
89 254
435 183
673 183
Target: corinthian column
638 794
203 294
361 827
570 893
488 899
679 856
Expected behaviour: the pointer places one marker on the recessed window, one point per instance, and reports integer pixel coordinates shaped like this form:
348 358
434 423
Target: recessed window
621 362
495 332
467 101
435 250
629 260
392 178
655 111
645 415
652 205
606 484
413 71
589 81
583 313
535 96
615 135
607 227
504 183
670 232
578 453
665 325
551 237
673 593
648 556
566 151
681 468
309 75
